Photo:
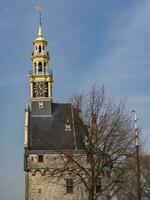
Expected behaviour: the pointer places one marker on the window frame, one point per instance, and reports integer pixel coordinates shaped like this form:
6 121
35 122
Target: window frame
69 185
40 158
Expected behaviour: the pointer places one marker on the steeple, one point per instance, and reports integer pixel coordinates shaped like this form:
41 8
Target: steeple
40 78
39 8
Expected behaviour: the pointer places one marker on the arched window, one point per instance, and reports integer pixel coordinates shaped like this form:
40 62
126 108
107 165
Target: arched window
44 67
40 67
34 64
40 49
43 48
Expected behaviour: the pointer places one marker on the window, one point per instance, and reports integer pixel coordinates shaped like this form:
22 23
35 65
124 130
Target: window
34 64
43 48
40 191
70 157
40 67
40 158
40 49
98 185
69 185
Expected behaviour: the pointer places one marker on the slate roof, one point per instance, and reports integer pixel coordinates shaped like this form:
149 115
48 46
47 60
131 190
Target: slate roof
48 133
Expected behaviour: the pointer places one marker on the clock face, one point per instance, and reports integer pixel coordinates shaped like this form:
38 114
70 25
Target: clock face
40 89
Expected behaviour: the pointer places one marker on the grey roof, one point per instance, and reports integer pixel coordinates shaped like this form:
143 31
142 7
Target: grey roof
48 132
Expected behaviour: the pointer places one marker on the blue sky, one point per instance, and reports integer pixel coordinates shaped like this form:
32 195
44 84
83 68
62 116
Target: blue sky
98 41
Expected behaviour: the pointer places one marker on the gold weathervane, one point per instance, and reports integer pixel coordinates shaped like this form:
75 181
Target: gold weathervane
39 8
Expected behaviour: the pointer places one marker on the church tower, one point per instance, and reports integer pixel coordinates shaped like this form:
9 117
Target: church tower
50 130
40 77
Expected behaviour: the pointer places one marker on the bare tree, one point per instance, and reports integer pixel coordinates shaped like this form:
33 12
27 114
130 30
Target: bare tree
106 144
128 188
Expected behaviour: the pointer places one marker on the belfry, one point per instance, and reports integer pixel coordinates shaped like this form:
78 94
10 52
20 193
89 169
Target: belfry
40 77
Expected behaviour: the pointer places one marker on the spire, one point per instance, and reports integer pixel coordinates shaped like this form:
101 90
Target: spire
39 8
40 30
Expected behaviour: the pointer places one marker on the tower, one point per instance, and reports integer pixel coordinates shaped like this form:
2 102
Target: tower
50 130
40 77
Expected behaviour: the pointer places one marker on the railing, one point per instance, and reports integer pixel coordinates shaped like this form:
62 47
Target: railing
40 53
32 72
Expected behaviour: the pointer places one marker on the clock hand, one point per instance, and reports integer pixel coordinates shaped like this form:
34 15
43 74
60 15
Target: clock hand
40 87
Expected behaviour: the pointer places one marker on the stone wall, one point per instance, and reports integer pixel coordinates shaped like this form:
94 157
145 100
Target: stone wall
41 185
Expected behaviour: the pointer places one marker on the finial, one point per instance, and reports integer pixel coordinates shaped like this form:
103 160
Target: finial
39 8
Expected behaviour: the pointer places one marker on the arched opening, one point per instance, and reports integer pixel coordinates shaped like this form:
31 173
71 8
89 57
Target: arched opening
44 67
40 49
40 67
43 48
34 70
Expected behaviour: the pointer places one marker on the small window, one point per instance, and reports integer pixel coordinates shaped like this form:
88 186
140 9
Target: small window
40 190
69 185
43 48
44 64
40 49
40 158
32 158
70 157
34 64
98 185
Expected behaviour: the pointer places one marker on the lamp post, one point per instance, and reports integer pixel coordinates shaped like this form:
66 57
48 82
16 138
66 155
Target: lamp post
138 172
